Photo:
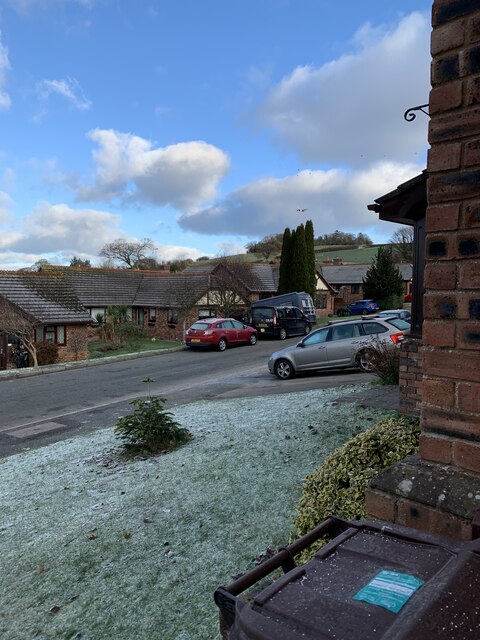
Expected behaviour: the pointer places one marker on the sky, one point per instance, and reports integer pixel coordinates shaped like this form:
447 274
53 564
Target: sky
203 124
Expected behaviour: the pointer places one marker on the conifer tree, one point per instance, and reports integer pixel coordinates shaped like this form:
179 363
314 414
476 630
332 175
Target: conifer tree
310 245
284 272
299 261
383 281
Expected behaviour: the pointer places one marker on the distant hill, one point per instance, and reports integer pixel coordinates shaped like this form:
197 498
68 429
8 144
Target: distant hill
360 255
356 255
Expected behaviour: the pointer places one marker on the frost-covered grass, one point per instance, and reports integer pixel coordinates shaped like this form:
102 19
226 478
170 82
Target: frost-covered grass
96 547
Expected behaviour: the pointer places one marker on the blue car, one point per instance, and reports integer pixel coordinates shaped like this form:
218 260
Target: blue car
363 307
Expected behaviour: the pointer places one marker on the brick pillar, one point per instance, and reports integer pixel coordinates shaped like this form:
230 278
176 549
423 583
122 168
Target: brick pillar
450 412
440 490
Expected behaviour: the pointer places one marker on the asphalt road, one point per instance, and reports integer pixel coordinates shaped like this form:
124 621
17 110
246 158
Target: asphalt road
41 409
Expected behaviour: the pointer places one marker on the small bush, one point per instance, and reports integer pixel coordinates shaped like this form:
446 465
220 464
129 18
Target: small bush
150 428
386 363
47 352
131 334
338 486
343 311
110 346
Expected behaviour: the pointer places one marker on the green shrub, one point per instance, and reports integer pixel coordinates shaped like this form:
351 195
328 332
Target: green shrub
342 312
338 486
131 334
47 352
150 428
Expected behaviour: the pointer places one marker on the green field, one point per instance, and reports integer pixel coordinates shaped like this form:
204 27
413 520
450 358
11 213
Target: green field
362 255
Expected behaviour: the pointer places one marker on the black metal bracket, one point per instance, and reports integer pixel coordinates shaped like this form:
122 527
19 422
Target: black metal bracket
409 114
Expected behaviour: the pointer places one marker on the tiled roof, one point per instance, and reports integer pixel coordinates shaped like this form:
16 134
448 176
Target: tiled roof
47 299
61 294
104 287
353 274
170 290
257 278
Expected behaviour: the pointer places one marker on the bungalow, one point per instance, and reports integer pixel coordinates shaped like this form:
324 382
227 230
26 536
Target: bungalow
34 308
347 281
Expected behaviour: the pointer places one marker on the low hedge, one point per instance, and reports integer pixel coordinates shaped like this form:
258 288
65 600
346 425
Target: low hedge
338 486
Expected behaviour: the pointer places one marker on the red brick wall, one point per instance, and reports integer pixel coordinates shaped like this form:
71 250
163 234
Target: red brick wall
76 347
450 414
411 374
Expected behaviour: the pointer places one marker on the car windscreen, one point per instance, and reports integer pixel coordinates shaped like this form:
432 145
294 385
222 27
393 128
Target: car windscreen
200 326
262 313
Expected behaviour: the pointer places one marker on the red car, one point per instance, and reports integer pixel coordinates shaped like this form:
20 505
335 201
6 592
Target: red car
219 332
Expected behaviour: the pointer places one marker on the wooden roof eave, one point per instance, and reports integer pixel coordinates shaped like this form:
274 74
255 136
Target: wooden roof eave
406 204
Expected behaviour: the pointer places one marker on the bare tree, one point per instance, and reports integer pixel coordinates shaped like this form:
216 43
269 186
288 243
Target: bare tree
228 291
78 343
183 295
127 253
15 323
402 244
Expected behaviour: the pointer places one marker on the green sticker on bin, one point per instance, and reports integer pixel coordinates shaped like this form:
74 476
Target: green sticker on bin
389 589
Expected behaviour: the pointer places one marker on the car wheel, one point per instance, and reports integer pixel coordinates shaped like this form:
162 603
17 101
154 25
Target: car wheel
364 312
365 360
283 334
283 369
307 329
253 339
222 344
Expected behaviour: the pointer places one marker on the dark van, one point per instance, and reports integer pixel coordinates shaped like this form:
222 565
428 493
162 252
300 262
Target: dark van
279 322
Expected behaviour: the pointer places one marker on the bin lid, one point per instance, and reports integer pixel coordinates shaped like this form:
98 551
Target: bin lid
368 584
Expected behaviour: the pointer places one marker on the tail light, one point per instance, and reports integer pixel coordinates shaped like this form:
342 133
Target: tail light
396 338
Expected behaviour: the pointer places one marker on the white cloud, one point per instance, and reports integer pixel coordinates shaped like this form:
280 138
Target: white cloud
334 199
5 101
69 89
168 252
182 175
57 232
347 117
351 109
58 227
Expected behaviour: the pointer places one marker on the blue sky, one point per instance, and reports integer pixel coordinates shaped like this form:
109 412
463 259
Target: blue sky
203 124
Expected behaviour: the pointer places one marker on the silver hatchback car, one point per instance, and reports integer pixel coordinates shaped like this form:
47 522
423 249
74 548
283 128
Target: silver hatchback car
339 345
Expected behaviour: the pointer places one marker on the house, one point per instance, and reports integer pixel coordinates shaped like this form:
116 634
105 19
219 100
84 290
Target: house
161 302
44 309
261 281
347 281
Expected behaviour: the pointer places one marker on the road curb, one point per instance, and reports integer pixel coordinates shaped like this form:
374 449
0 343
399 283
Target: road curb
28 372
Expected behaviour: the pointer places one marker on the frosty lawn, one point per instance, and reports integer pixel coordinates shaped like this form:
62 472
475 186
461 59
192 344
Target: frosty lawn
96 548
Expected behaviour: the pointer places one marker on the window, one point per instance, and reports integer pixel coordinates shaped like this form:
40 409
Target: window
226 324
355 288
172 316
342 332
370 328
321 301
316 337
237 324
206 313
55 334
152 316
